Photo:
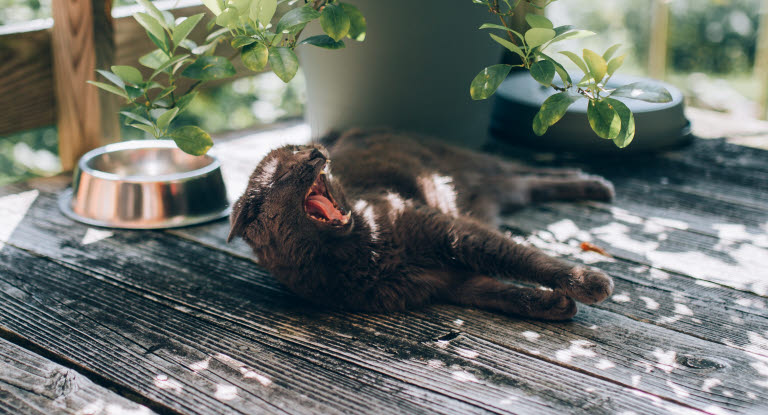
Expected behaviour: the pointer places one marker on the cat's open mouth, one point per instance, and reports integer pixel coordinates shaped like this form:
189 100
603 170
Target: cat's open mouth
321 206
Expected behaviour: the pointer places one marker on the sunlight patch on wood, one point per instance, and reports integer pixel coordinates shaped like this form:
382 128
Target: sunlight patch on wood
710 383
650 303
225 392
95 235
622 297
164 382
530 335
665 359
464 376
114 409
13 208
578 348
604 364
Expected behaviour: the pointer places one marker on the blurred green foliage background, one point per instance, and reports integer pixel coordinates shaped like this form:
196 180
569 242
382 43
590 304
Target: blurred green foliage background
711 44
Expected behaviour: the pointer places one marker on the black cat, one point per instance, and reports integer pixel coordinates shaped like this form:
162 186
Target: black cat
394 223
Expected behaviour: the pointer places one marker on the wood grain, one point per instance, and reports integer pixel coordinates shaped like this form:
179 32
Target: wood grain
264 307
78 111
182 363
26 87
31 384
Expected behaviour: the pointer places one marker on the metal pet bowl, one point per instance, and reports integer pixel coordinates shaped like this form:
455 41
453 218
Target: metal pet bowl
148 184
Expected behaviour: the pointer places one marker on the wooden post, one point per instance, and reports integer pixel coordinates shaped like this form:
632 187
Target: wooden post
761 61
78 50
657 53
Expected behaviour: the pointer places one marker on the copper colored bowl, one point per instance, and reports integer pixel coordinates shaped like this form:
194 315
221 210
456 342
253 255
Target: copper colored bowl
147 184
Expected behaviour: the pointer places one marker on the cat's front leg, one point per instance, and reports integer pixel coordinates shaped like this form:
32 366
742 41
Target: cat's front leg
472 245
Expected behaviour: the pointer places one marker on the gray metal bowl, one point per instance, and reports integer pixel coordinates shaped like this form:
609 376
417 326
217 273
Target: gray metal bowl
148 184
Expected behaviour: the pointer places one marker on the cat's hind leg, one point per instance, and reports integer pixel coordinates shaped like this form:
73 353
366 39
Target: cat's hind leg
491 294
486 251
570 188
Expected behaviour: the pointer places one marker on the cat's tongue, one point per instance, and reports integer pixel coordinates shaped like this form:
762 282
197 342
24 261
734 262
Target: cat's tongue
321 204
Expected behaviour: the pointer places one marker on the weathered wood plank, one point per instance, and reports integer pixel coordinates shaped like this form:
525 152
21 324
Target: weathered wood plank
261 309
738 260
31 384
180 362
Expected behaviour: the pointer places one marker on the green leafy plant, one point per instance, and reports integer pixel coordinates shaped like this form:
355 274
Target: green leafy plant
609 118
155 100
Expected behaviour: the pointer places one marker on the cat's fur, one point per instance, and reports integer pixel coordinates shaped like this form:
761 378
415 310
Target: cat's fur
422 227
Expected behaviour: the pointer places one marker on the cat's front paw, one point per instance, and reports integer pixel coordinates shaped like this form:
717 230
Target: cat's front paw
556 307
588 286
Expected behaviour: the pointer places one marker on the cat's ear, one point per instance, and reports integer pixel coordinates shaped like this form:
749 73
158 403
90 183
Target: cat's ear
243 213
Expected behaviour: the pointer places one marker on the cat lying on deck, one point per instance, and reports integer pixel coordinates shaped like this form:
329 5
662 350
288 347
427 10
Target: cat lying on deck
384 223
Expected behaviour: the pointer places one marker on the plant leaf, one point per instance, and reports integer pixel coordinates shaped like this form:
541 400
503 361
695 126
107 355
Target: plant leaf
192 140
644 91
538 36
334 21
110 88
296 17
164 120
552 110
153 11
183 102
153 59
228 18
488 81
611 51
509 45
603 119
627 132
559 30
165 92
133 92
543 72
151 25
323 41
596 64
493 26
216 34
283 62
136 117
262 11
536 20
357 24
128 74
255 56
573 34
183 29
147 128
564 76
207 68
615 64
112 78
577 60
240 41
214 5
167 64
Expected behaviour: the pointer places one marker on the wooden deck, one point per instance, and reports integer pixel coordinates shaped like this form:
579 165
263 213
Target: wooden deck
94 321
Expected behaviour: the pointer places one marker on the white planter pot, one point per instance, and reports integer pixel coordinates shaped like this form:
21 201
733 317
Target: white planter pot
412 72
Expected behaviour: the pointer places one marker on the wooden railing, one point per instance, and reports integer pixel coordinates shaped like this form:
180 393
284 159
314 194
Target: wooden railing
44 65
